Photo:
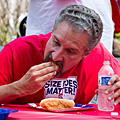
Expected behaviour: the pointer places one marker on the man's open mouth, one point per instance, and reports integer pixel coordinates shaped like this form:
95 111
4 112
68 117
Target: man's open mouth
59 64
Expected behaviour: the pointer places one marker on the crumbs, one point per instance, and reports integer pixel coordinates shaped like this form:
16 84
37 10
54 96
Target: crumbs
78 113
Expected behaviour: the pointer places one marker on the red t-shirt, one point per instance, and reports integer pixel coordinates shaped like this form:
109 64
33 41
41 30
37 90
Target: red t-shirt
19 55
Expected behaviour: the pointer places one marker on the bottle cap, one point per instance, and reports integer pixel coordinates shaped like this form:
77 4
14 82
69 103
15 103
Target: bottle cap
106 62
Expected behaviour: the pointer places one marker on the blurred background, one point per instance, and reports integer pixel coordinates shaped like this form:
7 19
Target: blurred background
12 12
13 18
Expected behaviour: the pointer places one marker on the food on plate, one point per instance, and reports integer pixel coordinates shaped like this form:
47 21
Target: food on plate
56 103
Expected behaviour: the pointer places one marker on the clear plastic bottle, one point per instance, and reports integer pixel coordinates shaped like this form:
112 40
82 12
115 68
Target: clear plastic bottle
104 75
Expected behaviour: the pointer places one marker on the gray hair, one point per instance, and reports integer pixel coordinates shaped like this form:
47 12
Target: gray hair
82 19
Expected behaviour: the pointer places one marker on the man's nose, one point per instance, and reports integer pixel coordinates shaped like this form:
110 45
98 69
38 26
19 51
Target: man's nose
57 55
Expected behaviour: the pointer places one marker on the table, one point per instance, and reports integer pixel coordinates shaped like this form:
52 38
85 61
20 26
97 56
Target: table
25 112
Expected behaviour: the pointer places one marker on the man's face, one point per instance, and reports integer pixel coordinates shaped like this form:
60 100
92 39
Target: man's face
66 45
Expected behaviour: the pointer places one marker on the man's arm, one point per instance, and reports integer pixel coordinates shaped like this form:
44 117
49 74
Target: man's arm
30 83
9 92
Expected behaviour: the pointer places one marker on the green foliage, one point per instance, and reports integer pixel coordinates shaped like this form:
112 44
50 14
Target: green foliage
5 34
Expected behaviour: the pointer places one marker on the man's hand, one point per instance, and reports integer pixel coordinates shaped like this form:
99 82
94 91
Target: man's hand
115 87
30 83
36 77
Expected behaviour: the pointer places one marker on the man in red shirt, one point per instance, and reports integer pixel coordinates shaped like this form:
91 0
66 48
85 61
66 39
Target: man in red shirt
74 41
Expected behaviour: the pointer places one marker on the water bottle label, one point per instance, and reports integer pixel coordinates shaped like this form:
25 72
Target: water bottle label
104 80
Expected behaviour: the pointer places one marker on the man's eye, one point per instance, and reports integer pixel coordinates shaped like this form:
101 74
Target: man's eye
56 43
69 51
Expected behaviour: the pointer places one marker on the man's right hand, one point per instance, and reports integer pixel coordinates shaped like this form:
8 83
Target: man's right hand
35 78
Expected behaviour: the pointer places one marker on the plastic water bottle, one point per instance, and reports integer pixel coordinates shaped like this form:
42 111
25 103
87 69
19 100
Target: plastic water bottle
104 75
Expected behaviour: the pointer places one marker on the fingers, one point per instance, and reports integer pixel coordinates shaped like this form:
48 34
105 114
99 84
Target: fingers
41 66
42 69
33 81
45 71
117 101
114 95
113 87
116 80
114 90
46 77
113 79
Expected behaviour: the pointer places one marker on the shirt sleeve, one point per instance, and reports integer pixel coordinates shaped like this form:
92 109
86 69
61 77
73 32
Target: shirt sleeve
6 76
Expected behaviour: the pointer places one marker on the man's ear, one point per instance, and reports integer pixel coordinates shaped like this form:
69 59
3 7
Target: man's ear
85 55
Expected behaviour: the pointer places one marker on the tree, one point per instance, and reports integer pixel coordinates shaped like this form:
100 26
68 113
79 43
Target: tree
10 11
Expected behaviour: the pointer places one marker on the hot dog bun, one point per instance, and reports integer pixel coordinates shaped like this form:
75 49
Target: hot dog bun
56 103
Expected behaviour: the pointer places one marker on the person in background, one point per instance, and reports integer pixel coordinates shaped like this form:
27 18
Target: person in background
26 73
41 15
116 19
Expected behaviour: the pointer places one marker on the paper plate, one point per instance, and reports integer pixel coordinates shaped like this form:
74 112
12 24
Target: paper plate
77 107
5 112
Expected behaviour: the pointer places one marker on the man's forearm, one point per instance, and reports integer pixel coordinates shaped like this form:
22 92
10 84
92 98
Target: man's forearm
9 92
